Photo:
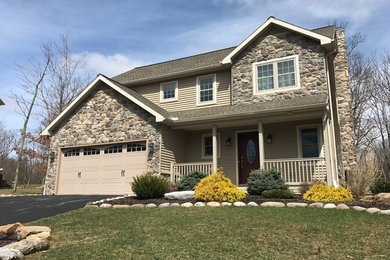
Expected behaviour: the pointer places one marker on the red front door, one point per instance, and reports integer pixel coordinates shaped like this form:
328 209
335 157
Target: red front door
248 154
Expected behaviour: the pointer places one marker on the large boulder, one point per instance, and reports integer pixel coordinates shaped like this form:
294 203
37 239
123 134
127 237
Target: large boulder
23 231
9 229
180 195
8 254
383 197
30 245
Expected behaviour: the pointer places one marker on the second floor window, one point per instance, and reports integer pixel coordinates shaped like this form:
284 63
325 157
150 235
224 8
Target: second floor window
206 90
275 75
169 91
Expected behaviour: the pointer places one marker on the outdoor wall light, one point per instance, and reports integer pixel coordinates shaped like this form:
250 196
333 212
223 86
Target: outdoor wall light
228 141
269 139
52 154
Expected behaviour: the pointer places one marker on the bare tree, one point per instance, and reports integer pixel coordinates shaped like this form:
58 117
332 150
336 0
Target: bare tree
380 111
7 141
64 82
32 77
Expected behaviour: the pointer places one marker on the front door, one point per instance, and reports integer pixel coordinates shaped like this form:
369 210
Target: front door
248 154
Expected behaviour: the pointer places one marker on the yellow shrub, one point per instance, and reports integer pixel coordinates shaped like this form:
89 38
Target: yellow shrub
325 193
217 187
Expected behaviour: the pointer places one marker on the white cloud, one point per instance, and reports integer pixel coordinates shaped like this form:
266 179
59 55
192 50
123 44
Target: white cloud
109 65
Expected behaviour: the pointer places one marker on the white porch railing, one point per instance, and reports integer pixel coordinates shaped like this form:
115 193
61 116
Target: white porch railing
179 170
296 171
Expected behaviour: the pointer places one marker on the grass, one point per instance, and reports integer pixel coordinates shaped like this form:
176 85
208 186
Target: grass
217 233
31 189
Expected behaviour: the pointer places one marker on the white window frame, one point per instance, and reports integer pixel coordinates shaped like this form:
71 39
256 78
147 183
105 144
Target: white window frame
204 103
275 62
319 136
175 98
218 144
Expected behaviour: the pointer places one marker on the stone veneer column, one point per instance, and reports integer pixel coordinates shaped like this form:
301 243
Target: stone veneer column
344 104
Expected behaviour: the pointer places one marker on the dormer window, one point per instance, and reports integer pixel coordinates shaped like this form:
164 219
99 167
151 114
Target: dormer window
276 75
168 91
206 89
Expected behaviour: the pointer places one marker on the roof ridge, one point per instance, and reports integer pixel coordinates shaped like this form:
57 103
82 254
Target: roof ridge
186 57
331 25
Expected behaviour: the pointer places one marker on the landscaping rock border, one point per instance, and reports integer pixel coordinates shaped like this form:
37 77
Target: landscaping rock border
212 204
24 240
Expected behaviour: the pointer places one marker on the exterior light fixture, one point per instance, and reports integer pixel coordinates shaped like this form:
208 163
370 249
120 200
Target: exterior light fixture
228 141
269 139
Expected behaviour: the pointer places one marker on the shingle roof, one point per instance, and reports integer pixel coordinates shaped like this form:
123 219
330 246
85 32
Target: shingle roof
187 64
295 103
191 63
328 31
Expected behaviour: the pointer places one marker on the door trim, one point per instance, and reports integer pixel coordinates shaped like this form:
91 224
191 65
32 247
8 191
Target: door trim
236 137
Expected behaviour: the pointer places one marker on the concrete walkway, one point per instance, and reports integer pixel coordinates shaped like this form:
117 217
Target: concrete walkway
28 208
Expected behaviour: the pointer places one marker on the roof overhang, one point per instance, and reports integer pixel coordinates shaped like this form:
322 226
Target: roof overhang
324 41
249 118
1 102
87 91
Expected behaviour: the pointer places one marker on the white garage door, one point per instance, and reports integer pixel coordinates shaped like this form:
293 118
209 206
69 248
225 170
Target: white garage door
101 169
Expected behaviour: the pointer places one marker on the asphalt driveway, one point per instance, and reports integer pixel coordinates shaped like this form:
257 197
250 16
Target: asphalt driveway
28 208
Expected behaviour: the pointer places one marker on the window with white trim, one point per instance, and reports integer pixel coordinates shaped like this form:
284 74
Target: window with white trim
91 151
136 147
72 152
276 75
206 90
169 91
113 149
207 146
309 142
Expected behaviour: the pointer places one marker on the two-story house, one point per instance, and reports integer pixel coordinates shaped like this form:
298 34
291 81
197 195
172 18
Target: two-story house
280 99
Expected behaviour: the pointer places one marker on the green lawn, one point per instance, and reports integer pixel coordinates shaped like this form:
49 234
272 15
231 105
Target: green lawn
31 189
217 233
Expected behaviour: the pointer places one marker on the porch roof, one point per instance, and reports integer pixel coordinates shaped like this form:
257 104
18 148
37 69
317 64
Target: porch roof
293 104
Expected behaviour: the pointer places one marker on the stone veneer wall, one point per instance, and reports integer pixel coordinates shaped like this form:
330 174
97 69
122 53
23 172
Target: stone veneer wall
344 106
105 117
278 44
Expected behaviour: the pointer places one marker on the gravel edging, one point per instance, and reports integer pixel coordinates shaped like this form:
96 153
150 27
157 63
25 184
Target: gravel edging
189 204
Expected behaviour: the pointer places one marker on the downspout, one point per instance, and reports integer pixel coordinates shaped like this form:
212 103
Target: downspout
331 130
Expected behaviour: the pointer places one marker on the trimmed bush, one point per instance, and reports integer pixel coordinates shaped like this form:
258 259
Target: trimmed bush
325 193
261 180
191 180
149 186
280 194
217 187
380 186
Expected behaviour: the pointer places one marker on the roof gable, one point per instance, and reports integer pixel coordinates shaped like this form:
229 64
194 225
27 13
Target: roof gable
324 40
150 107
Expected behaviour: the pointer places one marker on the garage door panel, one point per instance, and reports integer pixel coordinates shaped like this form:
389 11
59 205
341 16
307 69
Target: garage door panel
100 173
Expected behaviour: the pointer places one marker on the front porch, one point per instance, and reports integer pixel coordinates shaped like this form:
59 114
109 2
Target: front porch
295 171
299 145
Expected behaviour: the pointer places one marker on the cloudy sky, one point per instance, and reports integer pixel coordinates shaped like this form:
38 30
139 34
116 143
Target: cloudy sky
114 36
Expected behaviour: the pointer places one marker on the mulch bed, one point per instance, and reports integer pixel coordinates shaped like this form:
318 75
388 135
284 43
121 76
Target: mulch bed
258 199
4 241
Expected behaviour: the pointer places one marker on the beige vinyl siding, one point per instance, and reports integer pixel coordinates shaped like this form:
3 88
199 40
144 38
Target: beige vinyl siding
173 148
187 92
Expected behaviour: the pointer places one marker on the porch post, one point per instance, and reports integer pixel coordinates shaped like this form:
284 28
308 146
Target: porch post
215 149
328 159
261 144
